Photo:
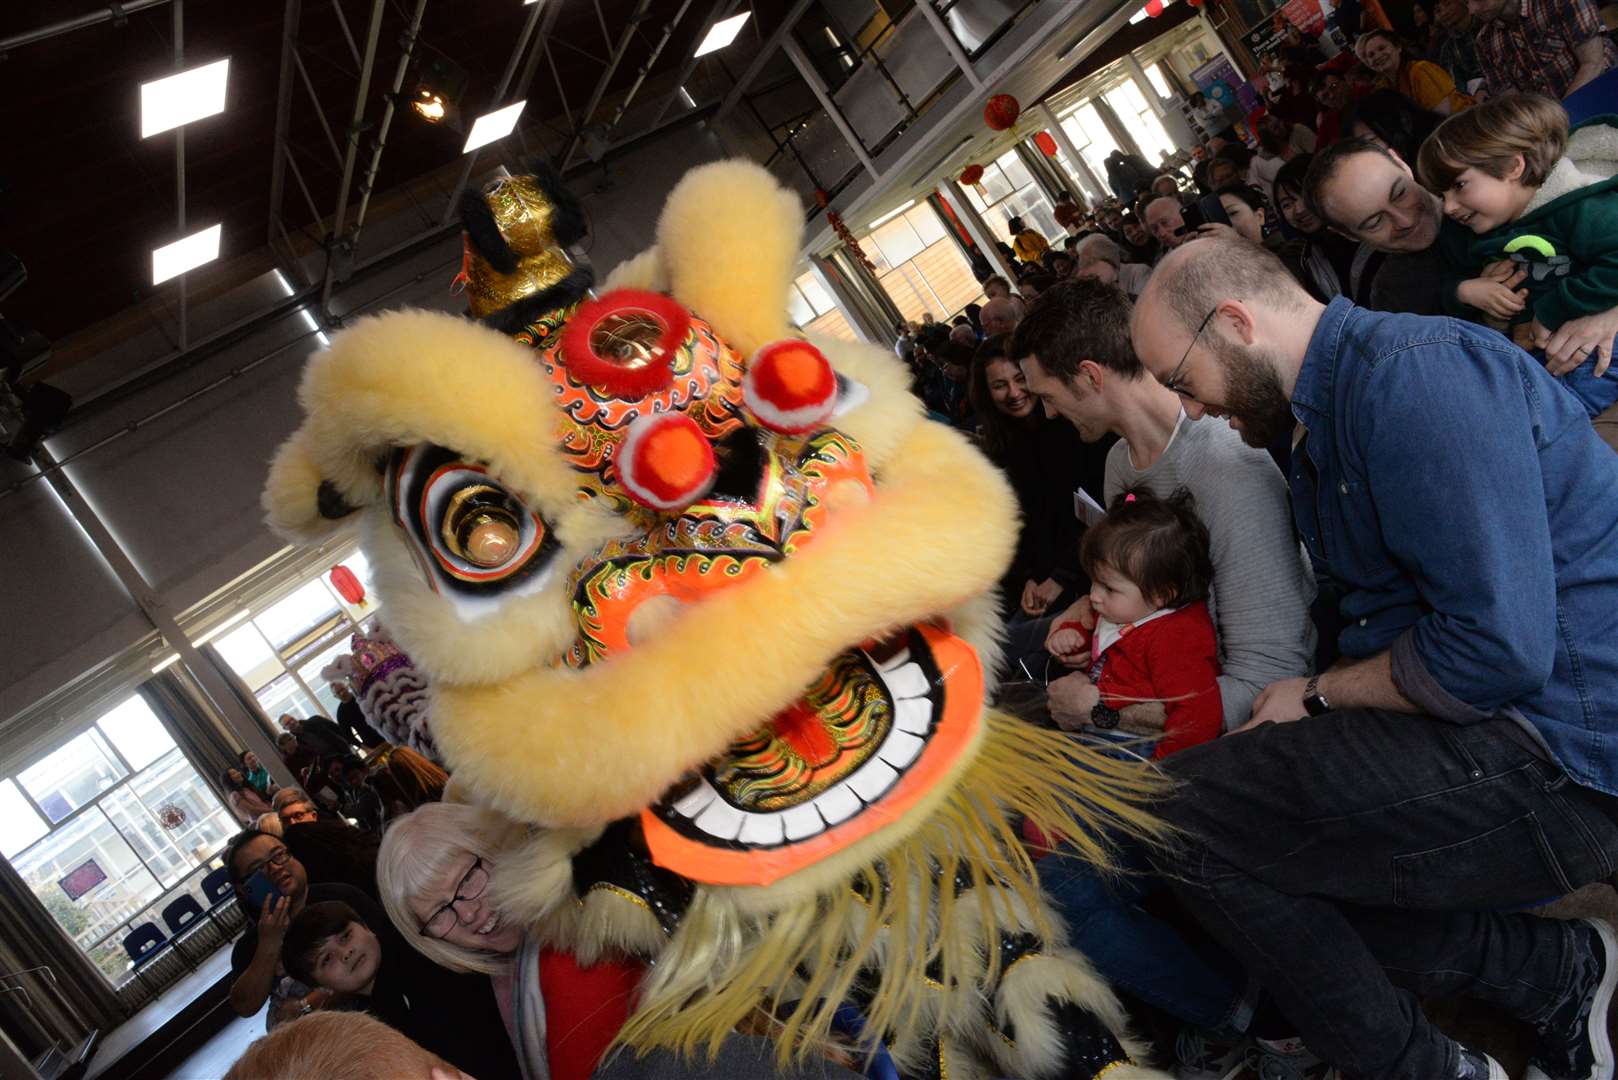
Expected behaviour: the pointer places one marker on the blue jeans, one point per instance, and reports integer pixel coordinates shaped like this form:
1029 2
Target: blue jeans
1134 951
1359 860
1595 394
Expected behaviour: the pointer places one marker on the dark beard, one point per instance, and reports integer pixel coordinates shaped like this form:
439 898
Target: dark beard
1254 396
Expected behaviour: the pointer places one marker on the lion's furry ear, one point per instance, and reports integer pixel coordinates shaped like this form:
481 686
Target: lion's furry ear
299 503
729 236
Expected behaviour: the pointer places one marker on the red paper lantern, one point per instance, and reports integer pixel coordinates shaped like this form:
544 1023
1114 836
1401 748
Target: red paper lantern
1046 143
1154 8
1194 3
1002 110
348 586
972 174
822 199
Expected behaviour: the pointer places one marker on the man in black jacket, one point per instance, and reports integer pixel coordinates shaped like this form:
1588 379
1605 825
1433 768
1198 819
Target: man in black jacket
320 736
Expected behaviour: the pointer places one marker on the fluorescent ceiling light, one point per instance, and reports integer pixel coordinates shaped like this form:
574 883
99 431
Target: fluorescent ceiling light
167 661
722 33
182 255
176 100
492 127
891 214
685 96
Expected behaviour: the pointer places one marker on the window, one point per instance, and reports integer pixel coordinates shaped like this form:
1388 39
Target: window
279 652
1084 127
1142 121
932 276
1009 190
1154 75
108 827
814 310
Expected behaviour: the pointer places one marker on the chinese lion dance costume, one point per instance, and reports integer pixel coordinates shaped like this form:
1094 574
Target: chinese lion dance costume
709 607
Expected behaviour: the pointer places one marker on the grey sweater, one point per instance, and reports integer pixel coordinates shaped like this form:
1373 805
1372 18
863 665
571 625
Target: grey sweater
1262 585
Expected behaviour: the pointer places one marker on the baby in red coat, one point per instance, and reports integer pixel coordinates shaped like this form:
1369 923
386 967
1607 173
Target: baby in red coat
1154 664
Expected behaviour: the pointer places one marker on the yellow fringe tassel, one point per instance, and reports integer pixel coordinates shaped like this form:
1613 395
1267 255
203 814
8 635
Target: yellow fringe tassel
804 957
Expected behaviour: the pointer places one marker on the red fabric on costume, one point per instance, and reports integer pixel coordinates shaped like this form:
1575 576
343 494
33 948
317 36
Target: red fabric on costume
1175 656
584 1008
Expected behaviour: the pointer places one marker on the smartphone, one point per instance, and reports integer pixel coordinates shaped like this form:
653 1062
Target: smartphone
1206 210
259 889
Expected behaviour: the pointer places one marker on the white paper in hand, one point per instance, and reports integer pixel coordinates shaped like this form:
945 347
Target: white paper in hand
1087 509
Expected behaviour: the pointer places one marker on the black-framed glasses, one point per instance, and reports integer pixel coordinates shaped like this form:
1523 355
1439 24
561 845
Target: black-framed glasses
473 882
1173 381
278 859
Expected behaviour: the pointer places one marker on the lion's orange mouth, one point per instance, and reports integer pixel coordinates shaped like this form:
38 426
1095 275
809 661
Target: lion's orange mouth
859 750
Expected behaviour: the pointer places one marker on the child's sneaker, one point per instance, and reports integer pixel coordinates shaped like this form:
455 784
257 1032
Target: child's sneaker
1476 1065
1200 1054
1573 1043
1287 1059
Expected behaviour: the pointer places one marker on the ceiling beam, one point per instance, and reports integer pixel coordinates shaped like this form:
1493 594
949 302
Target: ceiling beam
722 9
624 40
499 99
361 98
765 52
110 13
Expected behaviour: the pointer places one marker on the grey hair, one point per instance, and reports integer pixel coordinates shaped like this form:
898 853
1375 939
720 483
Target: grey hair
417 850
1098 248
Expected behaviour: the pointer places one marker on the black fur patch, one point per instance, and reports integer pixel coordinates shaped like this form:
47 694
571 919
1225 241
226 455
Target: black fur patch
330 502
570 289
478 221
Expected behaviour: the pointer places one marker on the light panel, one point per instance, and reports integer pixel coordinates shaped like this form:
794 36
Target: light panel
491 127
177 100
175 259
722 33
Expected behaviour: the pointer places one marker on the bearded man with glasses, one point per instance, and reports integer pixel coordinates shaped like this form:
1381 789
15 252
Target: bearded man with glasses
1372 838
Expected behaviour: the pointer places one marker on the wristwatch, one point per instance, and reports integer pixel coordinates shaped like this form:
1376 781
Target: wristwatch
1314 702
1103 717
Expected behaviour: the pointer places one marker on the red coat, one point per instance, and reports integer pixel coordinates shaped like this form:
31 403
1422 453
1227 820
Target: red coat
1173 659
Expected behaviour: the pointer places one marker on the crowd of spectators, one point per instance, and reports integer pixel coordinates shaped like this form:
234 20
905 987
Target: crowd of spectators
1398 284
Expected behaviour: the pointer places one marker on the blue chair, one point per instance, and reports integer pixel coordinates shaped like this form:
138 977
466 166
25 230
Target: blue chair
144 943
181 916
216 886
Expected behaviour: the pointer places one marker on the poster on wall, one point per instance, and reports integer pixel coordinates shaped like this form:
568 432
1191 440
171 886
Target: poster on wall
82 878
1219 82
1265 37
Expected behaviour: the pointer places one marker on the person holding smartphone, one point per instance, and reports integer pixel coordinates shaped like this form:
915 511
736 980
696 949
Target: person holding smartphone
273 887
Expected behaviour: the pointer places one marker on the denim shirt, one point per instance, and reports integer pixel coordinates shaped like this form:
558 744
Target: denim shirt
1468 513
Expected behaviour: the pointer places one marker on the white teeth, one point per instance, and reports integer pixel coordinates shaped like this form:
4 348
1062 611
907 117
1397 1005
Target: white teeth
898 659
691 803
900 749
873 779
763 829
721 820
914 715
907 681
838 804
710 812
489 926
802 821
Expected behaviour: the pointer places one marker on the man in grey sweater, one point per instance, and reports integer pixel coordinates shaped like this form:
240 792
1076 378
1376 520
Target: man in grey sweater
1075 352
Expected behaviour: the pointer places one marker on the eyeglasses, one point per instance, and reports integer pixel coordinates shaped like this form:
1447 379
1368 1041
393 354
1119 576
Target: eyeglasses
279 859
1173 381
445 918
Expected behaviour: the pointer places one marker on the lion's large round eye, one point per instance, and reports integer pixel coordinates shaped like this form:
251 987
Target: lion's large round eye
483 525
631 339
625 342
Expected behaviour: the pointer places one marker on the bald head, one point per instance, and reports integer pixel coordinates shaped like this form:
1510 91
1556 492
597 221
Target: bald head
1224 325
1000 316
337 1046
1198 276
